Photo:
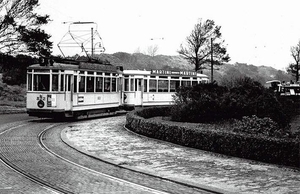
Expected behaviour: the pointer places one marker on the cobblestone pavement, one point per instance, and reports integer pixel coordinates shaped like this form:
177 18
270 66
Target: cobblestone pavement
11 181
21 147
54 142
105 138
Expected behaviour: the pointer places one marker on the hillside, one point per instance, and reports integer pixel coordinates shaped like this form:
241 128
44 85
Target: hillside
226 71
141 61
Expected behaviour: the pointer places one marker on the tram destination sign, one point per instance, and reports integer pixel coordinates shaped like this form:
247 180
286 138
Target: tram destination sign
167 72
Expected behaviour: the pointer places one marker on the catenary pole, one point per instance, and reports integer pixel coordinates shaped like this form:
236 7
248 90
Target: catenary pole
211 61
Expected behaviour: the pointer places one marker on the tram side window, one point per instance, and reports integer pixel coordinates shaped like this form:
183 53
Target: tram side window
82 84
138 85
186 83
145 85
90 84
194 83
99 84
113 85
152 85
41 82
75 84
62 83
174 84
54 82
126 83
68 82
132 84
29 82
162 85
107 84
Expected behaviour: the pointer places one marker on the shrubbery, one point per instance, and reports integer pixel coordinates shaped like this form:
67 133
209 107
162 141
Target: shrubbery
246 97
12 95
257 147
255 125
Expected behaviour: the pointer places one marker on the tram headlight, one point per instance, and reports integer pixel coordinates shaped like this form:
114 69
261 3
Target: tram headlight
40 103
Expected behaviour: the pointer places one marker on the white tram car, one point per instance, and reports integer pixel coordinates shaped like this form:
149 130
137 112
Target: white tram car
156 87
85 89
72 90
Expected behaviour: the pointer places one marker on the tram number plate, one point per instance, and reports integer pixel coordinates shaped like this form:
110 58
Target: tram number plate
80 98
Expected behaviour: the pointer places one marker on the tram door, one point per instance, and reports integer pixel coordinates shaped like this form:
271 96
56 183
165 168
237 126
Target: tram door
138 92
68 91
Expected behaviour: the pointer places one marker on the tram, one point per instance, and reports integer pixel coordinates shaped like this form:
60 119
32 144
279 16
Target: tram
72 89
156 87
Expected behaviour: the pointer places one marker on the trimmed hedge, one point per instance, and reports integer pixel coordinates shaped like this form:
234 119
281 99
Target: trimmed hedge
265 149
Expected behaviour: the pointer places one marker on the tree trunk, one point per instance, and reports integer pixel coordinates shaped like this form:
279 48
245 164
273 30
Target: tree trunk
297 71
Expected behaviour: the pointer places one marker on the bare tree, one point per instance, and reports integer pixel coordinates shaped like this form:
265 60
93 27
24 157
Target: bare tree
294 67
137 50
20 28
152 50
204 44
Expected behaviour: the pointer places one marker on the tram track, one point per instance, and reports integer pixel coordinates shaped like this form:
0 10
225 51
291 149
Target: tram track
23 173
41 138
53 159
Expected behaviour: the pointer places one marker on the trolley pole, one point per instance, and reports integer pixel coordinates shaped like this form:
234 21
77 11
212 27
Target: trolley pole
212 61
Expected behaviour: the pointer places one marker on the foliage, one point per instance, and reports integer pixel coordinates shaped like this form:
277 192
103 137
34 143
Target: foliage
12 93
20 28
14 68
294 67
255 125
200 103
245 97
204 39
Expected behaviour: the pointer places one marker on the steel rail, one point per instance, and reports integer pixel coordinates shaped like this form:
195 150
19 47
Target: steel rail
112 178
27 175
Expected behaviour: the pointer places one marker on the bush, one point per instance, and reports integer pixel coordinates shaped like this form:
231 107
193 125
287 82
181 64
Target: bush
259 126
200 103
246 97
12 93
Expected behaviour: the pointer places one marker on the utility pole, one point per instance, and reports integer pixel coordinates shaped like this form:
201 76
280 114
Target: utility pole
92 36
211 60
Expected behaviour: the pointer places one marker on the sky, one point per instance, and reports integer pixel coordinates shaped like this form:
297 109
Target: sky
257 32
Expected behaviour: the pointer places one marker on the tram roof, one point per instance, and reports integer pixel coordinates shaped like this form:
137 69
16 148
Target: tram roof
82 66
164 73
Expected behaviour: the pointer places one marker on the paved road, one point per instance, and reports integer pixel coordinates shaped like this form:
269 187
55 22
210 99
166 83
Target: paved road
9 118
20 146
10 181
106 139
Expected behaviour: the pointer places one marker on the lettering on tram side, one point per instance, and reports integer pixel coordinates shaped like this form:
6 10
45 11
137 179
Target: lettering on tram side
167 72
49 102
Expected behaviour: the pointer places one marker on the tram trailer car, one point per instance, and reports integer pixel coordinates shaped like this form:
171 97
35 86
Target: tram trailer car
156 87
72 90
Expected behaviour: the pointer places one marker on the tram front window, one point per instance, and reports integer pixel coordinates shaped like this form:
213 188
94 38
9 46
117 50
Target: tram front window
41 82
